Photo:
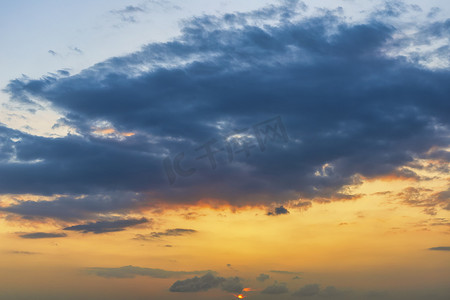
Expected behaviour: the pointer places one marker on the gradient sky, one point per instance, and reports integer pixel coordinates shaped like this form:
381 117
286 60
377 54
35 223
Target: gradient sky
210 149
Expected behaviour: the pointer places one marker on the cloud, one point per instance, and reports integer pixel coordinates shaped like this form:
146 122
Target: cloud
262 277
278 211
107 226
24 252
168 232
275 289
433 12
440 248
131 9
42 235
351 108
197 284
232 285
76 49
307 291
77 207
438 222
63 73
206 282
392 9
286 272
301 205
132 271
128 14
52 52
427 199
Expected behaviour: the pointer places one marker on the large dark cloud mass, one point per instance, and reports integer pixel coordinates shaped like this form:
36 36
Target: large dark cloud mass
346 107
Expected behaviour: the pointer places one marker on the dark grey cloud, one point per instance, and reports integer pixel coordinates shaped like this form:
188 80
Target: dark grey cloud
440 248
167 232
42 235
262 277
107 226
275 289
232 285
197 284
132 271
207 282
278 211
307 291
77 207
348 109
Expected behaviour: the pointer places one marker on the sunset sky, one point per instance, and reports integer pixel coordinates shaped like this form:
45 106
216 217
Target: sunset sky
168 149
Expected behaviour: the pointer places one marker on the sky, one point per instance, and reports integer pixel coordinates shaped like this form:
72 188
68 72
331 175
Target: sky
199 149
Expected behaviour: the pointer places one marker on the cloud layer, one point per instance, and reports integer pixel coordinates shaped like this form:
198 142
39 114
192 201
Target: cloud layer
207 282
132 271
42 235
346 110
106 226
167 232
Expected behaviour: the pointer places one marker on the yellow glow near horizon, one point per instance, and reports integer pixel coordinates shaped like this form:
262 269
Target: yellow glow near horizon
343 243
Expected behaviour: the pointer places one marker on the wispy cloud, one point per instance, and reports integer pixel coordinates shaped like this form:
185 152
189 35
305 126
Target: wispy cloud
440 248
42 235
132 271
128 14
167 232
286 272
24 252
107 226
